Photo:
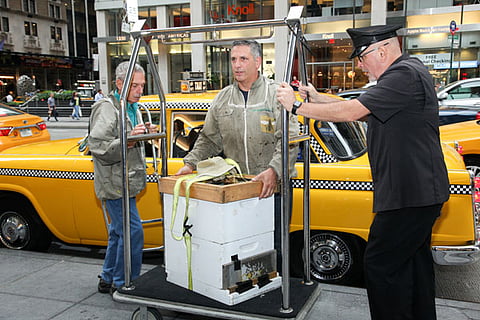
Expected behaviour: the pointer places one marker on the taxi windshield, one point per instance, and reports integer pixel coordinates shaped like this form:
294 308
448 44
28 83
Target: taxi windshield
345 140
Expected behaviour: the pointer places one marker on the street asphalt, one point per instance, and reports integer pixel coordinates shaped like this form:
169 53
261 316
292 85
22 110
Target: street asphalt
36 285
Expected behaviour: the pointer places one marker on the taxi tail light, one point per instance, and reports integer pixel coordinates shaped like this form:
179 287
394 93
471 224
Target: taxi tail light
42 125
458 147
477 116
5 131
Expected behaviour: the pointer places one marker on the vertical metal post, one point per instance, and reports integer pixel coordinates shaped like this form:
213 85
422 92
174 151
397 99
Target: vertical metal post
285 185
123 143
306 172
163 115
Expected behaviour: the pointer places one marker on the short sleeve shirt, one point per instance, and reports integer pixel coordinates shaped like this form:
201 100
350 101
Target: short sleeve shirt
406 157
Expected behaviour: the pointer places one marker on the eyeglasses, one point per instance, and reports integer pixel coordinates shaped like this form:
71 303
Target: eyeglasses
361 56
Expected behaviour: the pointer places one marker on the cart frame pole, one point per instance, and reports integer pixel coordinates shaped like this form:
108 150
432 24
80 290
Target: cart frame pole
127 258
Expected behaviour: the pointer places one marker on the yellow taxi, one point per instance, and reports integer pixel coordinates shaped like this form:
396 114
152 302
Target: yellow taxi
18 127
465 136
47 189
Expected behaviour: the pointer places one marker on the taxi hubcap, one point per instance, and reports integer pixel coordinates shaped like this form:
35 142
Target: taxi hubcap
14 230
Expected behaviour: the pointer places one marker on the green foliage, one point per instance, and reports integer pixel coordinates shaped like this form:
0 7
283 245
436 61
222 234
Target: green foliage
63 95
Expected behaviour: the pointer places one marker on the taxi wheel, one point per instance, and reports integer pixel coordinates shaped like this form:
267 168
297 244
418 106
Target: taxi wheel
472 163
334 258
19 230
152 314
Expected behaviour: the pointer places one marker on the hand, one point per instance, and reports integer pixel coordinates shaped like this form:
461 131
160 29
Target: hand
139 129
307 91
151 128
286 96
269 180
186 169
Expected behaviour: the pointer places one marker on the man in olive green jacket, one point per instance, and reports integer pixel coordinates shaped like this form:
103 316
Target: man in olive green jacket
104 144
244 123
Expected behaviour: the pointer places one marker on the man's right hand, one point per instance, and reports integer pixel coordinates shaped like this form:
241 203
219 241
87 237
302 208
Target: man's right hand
307 91
186 169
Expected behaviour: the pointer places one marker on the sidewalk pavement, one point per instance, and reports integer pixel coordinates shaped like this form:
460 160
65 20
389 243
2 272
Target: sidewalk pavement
66 122
49 286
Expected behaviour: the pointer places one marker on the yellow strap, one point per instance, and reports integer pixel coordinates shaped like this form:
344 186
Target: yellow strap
176 190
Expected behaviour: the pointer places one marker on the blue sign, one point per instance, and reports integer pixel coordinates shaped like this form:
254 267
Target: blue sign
453 27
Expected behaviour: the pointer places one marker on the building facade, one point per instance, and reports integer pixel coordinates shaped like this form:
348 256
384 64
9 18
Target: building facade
43 40
425 33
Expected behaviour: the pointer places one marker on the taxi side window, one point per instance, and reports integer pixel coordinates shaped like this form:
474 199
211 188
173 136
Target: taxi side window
186 127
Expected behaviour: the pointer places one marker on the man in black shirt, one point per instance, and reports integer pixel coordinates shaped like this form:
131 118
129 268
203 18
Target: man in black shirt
408 170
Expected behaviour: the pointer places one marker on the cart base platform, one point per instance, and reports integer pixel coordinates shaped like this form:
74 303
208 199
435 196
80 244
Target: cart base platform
153 290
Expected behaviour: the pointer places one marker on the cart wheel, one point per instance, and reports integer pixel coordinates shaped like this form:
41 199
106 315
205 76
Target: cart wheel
152 314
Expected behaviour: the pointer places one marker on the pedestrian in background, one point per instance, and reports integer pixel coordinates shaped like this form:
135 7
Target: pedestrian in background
98 95
408 170
104 144
52 107
75 103
9 97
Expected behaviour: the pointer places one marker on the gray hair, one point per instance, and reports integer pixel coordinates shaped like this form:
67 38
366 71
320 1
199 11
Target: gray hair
255 48
122 68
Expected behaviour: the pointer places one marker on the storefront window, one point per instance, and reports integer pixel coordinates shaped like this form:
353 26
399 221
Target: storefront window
150 17
396 5
225 11
329 69
179 16
326 8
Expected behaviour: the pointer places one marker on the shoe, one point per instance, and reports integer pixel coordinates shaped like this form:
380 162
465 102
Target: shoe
112 289
103 286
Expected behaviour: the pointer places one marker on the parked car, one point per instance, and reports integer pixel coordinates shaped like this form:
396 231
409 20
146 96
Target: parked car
461 93
447 114
341 196
18 127
453 114
465 136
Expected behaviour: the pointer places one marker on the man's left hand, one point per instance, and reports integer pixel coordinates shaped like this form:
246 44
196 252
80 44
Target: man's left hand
286 96
269 180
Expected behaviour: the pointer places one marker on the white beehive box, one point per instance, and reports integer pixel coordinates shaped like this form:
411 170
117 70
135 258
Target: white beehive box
226 221
224 296
208 257
221 222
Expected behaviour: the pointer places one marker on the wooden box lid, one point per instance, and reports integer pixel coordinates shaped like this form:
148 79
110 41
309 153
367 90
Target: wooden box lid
212 192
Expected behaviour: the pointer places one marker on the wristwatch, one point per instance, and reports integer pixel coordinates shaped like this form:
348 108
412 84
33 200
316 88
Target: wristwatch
297 104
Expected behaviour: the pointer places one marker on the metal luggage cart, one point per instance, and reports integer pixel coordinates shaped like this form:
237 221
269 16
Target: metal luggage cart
151 290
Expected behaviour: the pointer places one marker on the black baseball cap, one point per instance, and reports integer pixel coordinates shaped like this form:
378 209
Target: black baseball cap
363 37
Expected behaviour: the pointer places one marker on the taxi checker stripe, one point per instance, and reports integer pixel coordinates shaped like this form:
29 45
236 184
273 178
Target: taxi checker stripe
296 183
53 174
363 186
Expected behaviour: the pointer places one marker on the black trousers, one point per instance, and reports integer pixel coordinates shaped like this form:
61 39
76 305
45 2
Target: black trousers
399 271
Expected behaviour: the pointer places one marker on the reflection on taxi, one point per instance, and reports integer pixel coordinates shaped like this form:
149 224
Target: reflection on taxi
465 137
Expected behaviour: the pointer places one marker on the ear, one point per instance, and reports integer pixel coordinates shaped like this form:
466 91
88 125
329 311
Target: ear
258 62
119 84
